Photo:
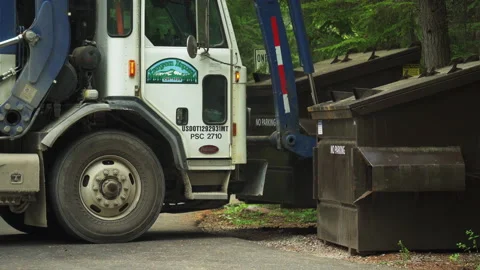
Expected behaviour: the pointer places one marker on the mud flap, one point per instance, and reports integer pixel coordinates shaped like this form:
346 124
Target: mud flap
253 175
36 213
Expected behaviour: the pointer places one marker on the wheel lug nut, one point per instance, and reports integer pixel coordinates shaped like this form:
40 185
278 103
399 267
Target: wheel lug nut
115 172
126 188
106 204
123 197
98 178
115 204
99 198
123 178
95 188
105 172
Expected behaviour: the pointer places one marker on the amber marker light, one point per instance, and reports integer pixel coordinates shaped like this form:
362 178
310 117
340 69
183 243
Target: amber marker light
237 76
131 68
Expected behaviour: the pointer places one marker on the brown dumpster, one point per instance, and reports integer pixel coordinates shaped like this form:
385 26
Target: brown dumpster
401 162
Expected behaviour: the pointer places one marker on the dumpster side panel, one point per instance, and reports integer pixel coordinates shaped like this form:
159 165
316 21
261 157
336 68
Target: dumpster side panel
422 221
337 223
335 176
334 151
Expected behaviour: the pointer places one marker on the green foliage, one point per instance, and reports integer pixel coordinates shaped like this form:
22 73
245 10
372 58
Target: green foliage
404 252
299 215
239 215
346 24
339 25
454 257
342 47
464 26
236 215
472 237
469 247
247 30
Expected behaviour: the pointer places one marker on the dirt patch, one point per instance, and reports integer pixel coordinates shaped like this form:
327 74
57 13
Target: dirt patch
288 235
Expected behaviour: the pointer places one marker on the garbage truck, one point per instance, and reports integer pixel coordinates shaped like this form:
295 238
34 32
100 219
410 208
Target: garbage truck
113 111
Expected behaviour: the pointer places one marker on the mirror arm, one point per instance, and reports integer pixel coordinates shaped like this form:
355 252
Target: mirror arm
207 26
203 24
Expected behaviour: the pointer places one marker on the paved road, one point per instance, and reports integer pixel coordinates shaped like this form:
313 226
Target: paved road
174 242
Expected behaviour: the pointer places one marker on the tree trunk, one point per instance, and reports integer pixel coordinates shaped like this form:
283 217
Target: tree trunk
436 43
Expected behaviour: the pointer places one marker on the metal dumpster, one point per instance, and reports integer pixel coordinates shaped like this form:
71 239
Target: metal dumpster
289 178
401 162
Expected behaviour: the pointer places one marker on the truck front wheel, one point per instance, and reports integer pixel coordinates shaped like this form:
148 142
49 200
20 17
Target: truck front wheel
107 187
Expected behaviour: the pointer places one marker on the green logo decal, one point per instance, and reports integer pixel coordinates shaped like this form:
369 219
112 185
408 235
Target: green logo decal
172 70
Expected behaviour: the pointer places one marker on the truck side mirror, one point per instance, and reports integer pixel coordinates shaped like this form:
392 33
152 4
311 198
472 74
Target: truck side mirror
192 46
203 23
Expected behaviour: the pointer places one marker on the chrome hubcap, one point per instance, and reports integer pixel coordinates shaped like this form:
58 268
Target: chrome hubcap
110 187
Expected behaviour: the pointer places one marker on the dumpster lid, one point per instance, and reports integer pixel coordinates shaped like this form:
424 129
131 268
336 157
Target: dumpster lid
340 68
366 101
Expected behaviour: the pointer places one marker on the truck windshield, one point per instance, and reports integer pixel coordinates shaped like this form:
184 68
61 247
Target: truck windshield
170 22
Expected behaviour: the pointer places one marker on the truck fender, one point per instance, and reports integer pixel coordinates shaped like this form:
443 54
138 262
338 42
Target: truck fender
55 129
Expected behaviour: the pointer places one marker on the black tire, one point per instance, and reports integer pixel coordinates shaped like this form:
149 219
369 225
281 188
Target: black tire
67 199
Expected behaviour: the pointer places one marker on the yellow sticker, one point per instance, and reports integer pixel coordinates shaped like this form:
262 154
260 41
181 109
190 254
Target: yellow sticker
28 93
412 69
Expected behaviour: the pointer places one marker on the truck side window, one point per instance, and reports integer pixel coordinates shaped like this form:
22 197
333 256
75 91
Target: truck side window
214 100
169 23
217 39
119 18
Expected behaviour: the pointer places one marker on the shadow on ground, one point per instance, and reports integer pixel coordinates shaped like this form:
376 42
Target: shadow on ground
21 239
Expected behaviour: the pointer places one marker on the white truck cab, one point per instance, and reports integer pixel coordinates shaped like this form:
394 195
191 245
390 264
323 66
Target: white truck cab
202 99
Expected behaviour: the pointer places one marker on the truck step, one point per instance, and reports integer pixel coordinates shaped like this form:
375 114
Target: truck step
210 196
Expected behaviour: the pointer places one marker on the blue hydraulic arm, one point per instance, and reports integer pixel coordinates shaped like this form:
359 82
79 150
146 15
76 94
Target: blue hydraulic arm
302 44
48 39
281 69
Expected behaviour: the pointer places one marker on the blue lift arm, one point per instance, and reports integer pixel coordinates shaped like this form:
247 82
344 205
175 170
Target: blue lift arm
49 41
281 69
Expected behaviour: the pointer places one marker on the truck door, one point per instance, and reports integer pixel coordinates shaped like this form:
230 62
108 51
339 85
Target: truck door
193 95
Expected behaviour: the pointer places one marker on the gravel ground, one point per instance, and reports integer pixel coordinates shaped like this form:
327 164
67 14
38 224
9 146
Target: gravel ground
304 240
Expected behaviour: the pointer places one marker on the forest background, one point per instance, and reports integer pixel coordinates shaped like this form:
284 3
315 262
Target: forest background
335 26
